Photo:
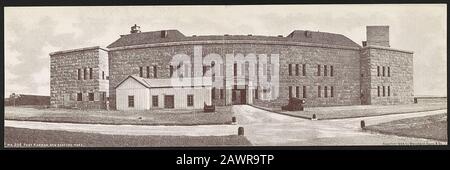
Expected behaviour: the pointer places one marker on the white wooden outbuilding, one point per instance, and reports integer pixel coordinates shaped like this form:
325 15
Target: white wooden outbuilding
137 93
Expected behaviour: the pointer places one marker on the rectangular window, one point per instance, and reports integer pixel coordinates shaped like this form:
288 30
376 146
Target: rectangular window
155 71
190 100
79 96
103 96
325 73
383 71
290 69
318 70
213 77
90 73
389 90
304 69
384 94
290 91
318 91
155 101
331 71
331 91
91 96
213 93
130 101
378 71
85 74
222 91
297 69
256 93
304 92
235 69
297 91
204 70
79 74
170 70
326 91
103 75
141 72
233 95
378 91
389 71
148 71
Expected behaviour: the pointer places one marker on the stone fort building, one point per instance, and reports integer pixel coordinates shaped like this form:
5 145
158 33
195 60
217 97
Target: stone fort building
325 69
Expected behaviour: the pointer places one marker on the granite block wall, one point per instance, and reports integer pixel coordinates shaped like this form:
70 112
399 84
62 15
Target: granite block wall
397 79
64 81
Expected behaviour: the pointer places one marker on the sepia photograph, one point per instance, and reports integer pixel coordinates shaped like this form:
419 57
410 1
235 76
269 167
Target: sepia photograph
225 76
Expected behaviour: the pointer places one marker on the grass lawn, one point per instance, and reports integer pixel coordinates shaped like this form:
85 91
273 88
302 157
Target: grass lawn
338 112
21 137
223 115
430 127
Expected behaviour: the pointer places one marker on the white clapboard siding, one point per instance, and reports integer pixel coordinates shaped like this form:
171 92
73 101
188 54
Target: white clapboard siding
201 95
132 88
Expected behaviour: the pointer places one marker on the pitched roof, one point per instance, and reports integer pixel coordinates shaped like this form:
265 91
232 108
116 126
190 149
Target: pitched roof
169 82
322 38
176 36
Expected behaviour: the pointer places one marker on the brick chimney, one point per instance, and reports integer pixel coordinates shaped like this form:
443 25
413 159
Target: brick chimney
377 35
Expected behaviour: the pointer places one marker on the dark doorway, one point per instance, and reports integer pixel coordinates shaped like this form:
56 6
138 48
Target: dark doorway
239 96
169 101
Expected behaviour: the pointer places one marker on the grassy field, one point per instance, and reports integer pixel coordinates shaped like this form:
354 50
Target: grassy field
339 112
430 127
223 115
20 137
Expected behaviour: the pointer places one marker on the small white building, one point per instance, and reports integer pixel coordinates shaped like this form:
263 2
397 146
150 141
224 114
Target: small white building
137 93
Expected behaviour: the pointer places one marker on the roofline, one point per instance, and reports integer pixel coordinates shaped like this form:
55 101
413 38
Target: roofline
176 43
387 48
78 49
149 87
287 37
127 79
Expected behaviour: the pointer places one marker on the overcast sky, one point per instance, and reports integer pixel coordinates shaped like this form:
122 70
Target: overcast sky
31 33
